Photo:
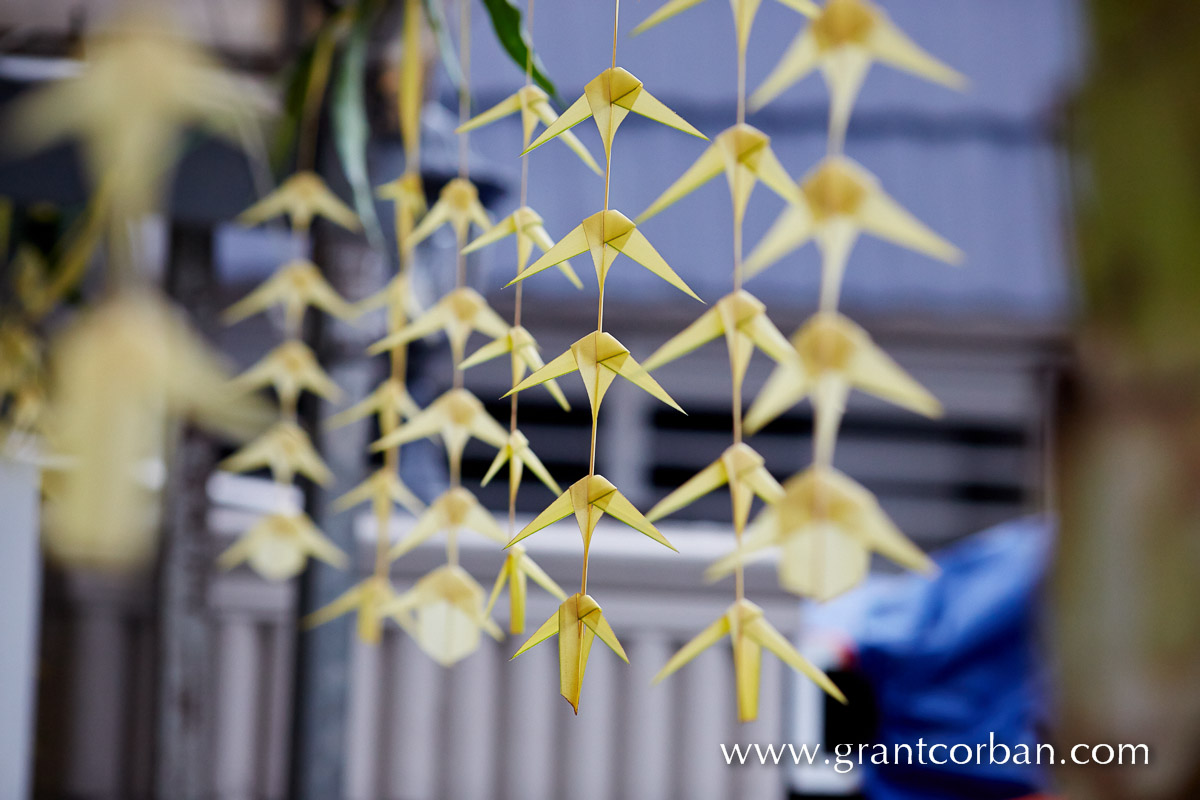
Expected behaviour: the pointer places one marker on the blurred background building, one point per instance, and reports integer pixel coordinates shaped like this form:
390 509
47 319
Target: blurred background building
982 168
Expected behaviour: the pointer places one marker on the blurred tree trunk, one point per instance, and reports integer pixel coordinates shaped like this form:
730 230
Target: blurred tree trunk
1126 591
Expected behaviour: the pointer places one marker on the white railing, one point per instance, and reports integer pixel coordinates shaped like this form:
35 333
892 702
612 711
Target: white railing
485 728
490 727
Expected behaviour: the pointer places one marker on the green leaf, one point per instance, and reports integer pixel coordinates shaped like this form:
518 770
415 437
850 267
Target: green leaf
348 112
437 23
304 83
294 81
510 30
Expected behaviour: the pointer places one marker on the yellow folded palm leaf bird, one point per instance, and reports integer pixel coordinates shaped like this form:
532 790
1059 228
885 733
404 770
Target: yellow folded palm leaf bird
516 571
456 509
295 287
523 349
840 200
527 225
286 451
458 206
744 154
749 633
302 197
456 416
598 358
825 526
444 612
835 355
279 545
608 98
368 600
533 104
605 235
744 12
290 368
460 313
577 623
842 41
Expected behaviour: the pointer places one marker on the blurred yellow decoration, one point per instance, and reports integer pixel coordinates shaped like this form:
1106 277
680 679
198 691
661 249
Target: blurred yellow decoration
390 401
744 154
459 313
39 286
524 350
526 224
742 318
609 97
290 368
397 297
277 547
578 621
826 527
534 106
286 450
302 197
369 599
740 467
120 376
840 200
457 205
456 416
517 569
410 93
444 613
455 509
294 287
20 352
382 488
749 633
141 87
843 41
589 499
407 193
744 12
518 454
30 278
605 235
22 380
835 355
27 406
599 358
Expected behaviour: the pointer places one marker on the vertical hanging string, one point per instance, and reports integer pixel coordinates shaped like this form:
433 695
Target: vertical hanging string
739 573
616 17
397 317
314 94
464 114
293 330
517 302
464 90
600 303
831 289
388 418
460 272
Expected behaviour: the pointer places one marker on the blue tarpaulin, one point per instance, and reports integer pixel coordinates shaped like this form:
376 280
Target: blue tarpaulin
953 660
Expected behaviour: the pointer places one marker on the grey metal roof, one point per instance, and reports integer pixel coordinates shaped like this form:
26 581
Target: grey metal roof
980 167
